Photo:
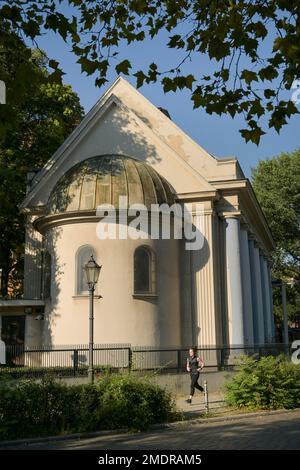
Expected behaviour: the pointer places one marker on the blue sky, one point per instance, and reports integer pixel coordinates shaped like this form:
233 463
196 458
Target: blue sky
218 135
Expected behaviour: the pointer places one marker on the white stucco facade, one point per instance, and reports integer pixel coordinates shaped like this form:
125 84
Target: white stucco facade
219 294
120 317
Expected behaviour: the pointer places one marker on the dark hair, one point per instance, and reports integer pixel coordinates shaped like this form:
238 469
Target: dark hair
194 349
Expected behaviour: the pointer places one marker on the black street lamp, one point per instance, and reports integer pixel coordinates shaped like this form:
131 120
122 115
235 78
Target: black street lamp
92 271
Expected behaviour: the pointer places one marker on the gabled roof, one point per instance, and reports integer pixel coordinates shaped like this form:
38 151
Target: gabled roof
121 94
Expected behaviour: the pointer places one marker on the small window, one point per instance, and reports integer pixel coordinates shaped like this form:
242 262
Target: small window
82 257
144 271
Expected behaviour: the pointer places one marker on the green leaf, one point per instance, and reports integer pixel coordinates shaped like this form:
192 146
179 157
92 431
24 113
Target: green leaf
189 80
53 64
141 77
249 76
123 67
257 108
252 135
87 65
268 73
269 93
176 42
56 76
168 84
31 28
198 98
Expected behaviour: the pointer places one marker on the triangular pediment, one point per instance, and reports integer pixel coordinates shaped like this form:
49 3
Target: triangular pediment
124 122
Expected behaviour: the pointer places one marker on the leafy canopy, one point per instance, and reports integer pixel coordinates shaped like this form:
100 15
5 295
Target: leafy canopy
277 185
39 117
253 46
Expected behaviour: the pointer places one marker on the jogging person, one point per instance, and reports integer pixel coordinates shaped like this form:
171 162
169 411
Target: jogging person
194 365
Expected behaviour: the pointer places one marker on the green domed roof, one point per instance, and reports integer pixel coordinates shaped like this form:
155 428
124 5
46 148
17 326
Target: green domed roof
102 179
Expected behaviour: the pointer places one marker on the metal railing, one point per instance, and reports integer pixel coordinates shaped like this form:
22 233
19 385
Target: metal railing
72 361
218 357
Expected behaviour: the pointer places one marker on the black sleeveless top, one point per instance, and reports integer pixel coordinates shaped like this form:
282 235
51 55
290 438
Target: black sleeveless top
194 364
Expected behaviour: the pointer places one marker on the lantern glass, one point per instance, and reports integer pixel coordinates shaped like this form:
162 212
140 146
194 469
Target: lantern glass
92 271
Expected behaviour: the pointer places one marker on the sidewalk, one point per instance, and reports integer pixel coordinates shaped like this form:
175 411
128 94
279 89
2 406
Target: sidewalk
262 430
197 407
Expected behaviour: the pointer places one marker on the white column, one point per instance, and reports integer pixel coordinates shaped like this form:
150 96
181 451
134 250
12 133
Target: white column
247 291
271 303
256 291
187 308
259 297
203 280
234 281
266 298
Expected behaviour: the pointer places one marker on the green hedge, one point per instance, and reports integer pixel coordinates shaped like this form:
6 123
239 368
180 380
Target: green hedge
268 383
30 408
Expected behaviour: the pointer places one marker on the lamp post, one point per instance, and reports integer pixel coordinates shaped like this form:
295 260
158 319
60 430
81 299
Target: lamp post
92 271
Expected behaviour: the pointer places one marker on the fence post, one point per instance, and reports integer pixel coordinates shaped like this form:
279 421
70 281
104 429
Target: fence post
206 402
178 360
129 360
75 362
222 359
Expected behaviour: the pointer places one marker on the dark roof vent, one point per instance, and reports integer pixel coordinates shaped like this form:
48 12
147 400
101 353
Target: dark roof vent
165 111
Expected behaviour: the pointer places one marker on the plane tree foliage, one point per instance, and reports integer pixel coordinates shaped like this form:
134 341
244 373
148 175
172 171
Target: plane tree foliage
276 182
253 47
40 115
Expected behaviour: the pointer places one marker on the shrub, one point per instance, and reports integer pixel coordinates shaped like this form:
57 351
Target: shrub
126 398
47 407
268 383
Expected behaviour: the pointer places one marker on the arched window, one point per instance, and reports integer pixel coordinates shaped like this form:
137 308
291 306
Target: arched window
82 257
47 275
144 271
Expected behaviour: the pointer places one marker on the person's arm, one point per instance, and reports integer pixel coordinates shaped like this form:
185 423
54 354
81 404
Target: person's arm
187 366
200 364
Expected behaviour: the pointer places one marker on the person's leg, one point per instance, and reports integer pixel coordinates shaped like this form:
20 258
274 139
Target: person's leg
198 386
194 379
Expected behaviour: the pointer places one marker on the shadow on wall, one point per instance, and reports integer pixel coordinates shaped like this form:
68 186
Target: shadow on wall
123 136
195 261
42 268
56 278
119 133
131 139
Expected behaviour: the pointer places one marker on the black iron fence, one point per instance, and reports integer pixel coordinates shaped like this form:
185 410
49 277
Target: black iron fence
71 361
